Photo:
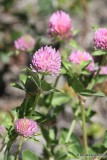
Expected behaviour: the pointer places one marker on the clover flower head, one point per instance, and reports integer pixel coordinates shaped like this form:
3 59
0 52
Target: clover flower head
24 43
100 38
60 25
103 70
47 60
26 127
77 57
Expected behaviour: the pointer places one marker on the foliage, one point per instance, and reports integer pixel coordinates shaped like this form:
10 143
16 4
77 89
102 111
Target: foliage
44 101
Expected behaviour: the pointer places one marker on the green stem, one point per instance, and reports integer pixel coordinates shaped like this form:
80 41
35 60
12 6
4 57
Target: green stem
84 131
102 155
19 148
35 103
49 153
82 101
52 95
72 127
91 84
36 98
70 131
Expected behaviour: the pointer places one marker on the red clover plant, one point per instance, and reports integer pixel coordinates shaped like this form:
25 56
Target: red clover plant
37 115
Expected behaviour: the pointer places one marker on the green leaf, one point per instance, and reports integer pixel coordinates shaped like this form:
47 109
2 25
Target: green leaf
75 70
75 84
89 114
39 117
52 133
71 69
28 155
96 130
66 64
63 70
91 93
30 86
26 106
60 152
19 85
73 43
45 86
60 99
8 121
99 53
85 72
45 134
15 35
101 78
34 76
73 146
48 151
85 64
22 77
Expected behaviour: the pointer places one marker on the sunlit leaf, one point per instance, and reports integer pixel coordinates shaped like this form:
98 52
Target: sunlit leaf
99 53
28 155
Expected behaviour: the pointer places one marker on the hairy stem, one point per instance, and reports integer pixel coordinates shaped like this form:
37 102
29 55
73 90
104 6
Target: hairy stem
83 126
72 127
84 131
19 147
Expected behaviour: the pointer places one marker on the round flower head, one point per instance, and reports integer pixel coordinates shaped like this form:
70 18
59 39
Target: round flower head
60 25
47 60
103 70
26 127
100 38
79 57
24 43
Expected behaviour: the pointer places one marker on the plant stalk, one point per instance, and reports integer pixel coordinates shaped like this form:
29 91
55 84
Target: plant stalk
35 103
72 127
84 131
70 131
52 95
19 147
83 127
102 155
